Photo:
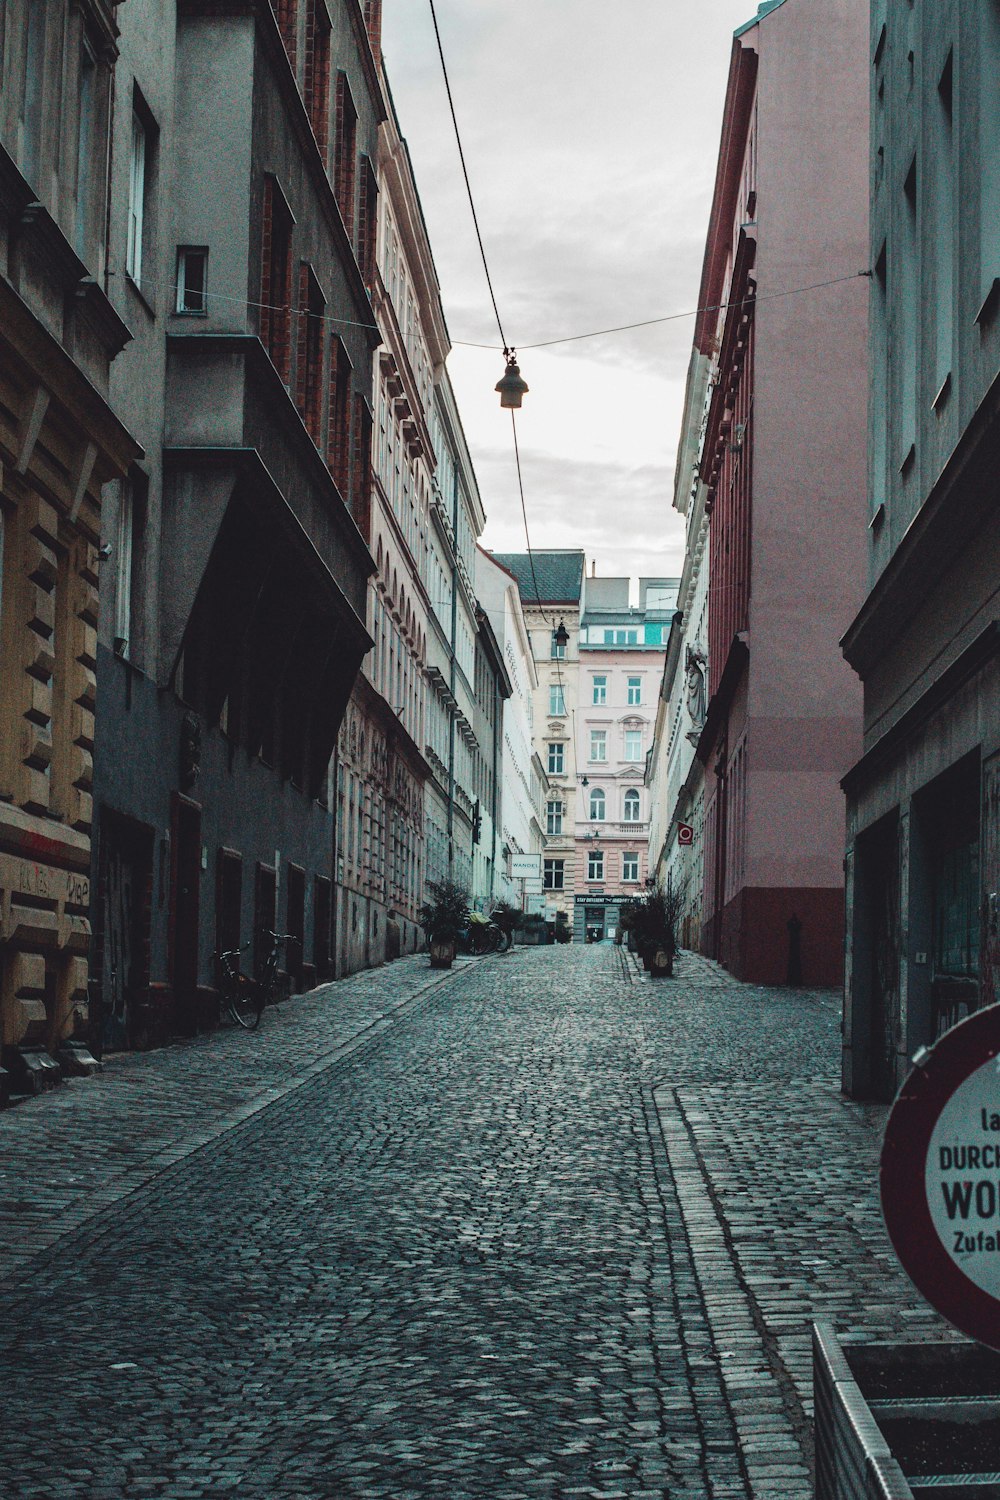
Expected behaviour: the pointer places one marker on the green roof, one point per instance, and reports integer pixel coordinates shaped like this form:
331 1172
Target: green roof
558 576
762 10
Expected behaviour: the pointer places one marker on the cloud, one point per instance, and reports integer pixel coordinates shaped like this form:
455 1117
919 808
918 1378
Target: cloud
591 135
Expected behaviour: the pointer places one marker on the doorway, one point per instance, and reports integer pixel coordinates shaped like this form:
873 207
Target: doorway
185 902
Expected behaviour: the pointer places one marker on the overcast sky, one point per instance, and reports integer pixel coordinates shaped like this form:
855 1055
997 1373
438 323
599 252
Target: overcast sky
591 133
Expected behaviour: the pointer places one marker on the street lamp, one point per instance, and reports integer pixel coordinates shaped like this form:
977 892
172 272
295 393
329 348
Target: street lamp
510 385
561 636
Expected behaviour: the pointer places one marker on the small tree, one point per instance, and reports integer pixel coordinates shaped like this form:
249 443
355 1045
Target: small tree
446 915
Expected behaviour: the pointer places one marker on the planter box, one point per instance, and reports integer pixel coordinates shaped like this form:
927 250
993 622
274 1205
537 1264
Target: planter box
442 953
905 1421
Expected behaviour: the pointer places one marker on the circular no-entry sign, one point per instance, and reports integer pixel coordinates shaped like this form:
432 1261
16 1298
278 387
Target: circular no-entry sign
685 833
940 1176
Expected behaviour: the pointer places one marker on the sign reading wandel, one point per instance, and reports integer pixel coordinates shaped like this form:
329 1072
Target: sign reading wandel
940 1176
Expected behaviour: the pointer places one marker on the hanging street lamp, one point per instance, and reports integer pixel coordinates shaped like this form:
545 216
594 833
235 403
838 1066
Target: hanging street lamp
510 386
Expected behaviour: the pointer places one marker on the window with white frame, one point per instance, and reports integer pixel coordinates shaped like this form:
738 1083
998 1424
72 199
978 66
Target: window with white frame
553 874
600 690
630 866
633 744
557 699
598 744
621 637
558 647
556 758
553 817
595 864
140 163
634 691
631 806
123 569
598 805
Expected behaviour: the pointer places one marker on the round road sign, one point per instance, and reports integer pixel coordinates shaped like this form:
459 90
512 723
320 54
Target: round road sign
685 833
940 1176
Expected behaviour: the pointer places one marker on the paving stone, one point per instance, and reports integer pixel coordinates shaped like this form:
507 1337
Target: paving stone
540 1227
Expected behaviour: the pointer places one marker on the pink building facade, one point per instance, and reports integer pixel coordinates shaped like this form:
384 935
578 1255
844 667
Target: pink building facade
621 663
783 462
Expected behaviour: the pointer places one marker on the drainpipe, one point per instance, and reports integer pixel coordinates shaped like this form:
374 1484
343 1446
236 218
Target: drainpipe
453 673
495 807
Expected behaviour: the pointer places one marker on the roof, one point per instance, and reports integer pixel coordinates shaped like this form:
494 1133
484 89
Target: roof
762 10
558 576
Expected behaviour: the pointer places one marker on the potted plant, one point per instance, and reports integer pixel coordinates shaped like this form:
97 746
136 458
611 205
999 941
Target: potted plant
443 918
661 909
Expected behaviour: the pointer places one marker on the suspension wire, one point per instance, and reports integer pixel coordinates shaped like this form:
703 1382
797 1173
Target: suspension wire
694 312
465 172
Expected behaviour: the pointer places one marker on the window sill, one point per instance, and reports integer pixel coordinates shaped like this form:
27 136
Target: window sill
878 519
140 296
941 399
987 311
909 458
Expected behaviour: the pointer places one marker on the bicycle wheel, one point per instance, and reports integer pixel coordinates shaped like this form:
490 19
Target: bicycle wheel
492 937
246 1002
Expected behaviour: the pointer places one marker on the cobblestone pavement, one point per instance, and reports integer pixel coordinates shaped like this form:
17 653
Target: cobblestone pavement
540 1228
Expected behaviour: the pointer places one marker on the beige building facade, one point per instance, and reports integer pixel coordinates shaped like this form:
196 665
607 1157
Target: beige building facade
59 443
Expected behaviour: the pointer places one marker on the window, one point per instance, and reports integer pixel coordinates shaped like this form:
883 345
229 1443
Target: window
317 79
136 199
598 804
598 744
345 153
557 649
84 143
600 690
632 806
633 744
556 758
621 637
367 220
553 817
192 280
595 864
630 867
276 275
554 874
127 558
338 446
309 371
634 691
557 699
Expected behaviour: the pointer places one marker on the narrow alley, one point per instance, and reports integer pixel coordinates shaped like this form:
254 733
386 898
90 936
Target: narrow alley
537 1228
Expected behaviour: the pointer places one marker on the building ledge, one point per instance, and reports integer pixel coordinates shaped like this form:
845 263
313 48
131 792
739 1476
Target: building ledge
958 505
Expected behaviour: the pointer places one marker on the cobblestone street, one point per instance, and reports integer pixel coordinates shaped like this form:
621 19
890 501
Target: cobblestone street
538 1228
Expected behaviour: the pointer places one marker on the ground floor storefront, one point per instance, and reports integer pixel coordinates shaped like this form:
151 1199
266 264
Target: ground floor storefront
923 871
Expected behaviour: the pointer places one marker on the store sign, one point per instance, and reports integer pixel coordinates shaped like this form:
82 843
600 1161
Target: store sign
685 833
940 1176
524 866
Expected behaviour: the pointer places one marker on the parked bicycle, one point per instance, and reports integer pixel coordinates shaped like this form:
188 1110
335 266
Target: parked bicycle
485 934
243 996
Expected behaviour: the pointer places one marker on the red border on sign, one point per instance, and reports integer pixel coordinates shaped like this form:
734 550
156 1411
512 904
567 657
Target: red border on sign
908 1132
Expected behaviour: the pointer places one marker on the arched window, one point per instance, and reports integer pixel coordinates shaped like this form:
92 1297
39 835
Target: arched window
632 806
596 805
